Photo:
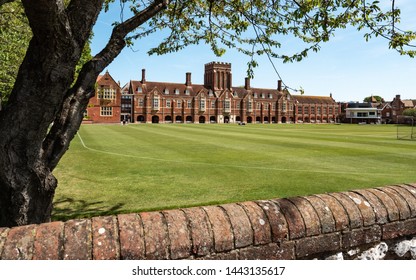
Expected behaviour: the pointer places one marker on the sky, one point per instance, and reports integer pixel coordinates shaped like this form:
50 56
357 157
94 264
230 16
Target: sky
347 67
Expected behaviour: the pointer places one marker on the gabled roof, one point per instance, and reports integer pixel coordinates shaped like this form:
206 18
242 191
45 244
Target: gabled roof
107 80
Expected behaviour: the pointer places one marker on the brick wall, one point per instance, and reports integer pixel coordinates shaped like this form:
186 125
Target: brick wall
367 224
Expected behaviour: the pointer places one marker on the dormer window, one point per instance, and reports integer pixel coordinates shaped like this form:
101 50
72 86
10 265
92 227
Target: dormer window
187 91
270 96
261 95
255 95
166 91
176 91
139 89
210 92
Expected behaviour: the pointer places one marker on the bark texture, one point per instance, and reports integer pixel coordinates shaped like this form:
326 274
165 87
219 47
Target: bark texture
44 111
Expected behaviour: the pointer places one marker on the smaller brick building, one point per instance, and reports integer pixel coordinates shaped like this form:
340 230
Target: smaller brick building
105 106
316 109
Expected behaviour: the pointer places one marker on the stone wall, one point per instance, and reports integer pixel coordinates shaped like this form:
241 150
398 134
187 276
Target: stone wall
361 224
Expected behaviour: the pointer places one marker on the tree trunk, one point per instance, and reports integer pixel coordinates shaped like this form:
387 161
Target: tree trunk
27 185
31 203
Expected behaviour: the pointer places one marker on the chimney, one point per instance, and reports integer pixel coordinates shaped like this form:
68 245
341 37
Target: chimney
188 79
279 85
330 94
247 84
143 76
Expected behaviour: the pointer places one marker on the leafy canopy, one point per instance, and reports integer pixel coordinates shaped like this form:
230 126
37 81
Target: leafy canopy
410 112
255 27
252 27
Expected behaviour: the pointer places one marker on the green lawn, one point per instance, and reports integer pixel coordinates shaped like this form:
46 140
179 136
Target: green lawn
132 168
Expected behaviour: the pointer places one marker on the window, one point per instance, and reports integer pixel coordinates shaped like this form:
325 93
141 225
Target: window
139 89
155 103
284 106
266 106
176 91
108 93
202 104
213 104
318 110
168 103
372 113
166 91
187 91
189 104
258 106
362 114
312 110
250 105
227 106
330 110
270 96
237 105
261 95
306 110
179 103
274 107
141 102
106 111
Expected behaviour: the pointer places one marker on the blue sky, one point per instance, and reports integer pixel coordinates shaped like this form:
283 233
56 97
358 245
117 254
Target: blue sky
348 67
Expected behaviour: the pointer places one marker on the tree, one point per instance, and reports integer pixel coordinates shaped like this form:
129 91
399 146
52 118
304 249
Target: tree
410 112
373 99
46 104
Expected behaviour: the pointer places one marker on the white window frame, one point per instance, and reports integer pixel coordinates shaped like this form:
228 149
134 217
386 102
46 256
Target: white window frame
106 111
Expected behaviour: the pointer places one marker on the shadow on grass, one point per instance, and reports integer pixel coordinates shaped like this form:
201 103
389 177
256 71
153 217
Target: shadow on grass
68 208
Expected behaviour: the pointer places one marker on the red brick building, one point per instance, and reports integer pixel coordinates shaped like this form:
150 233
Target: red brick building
316 109
105 106
217 101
